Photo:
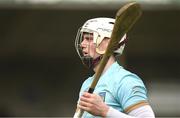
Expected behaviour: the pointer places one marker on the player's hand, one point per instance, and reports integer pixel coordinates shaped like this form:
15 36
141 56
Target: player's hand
93 104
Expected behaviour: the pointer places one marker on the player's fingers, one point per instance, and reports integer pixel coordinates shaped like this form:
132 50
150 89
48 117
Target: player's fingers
84 107
85 104
86 94
86 99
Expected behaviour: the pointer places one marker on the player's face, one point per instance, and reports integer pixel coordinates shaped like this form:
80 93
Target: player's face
88 47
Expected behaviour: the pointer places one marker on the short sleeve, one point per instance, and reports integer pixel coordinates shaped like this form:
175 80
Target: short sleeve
131 91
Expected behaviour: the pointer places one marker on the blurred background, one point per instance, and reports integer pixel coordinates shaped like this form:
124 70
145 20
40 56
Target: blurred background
41 74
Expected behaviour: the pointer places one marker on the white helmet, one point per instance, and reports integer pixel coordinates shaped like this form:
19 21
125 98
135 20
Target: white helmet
100 28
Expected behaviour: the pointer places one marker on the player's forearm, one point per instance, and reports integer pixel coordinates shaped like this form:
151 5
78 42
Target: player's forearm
142 112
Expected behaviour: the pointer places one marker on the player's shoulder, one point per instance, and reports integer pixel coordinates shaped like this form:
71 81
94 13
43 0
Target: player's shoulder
125 76
87 83
120 71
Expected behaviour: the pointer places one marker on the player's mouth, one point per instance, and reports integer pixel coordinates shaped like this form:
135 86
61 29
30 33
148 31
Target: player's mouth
85 53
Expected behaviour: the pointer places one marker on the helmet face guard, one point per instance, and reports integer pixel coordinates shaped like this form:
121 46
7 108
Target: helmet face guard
87 60
78 41
98 28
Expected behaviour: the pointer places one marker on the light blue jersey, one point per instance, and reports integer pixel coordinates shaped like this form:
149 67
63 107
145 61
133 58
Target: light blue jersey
119 88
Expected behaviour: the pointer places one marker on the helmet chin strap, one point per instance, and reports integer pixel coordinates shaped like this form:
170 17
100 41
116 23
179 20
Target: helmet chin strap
96 61
91 63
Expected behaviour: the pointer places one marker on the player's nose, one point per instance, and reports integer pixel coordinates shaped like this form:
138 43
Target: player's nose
83 44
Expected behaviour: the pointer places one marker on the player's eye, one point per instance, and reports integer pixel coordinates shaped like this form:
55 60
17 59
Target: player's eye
88 37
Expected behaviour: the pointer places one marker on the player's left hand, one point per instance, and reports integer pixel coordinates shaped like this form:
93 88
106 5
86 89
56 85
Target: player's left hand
93 104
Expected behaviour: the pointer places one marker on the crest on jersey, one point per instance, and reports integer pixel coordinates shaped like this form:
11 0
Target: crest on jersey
103 95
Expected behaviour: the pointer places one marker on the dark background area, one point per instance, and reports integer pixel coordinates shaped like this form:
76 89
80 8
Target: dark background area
41 74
